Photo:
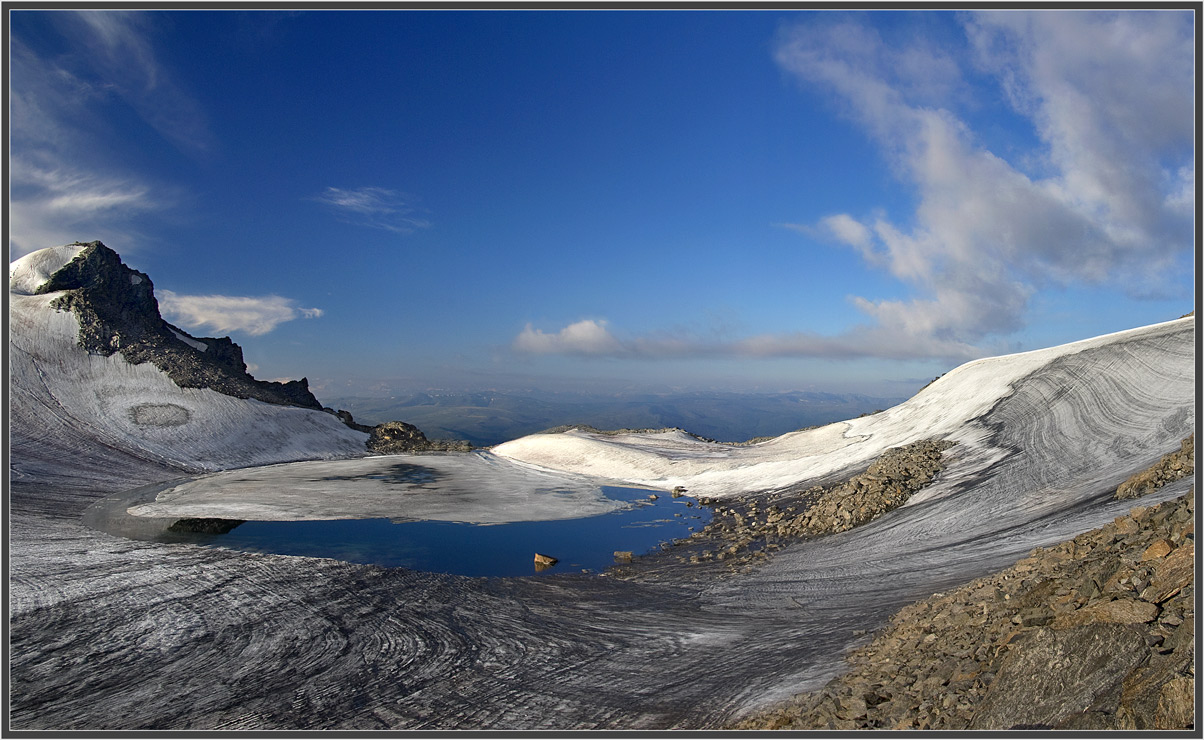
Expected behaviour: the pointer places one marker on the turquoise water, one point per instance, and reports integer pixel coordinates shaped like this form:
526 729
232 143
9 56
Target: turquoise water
481 550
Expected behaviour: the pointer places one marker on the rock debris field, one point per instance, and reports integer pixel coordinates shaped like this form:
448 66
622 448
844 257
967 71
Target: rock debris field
1012 453
1094 633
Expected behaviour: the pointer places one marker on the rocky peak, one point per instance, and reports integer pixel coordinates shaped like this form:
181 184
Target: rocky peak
117 312
112 295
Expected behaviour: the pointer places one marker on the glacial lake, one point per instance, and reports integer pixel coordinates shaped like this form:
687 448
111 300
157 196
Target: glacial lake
506 550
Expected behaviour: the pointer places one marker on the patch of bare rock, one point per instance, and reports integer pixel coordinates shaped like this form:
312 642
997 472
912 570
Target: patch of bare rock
747 530
1095 633
395 437
1171 467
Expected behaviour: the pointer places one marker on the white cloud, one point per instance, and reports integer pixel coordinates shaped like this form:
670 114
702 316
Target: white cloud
1110 96
223 314
586 337
1106 197
850 231
377 208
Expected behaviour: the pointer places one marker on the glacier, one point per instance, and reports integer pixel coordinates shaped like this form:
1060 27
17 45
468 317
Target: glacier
113 633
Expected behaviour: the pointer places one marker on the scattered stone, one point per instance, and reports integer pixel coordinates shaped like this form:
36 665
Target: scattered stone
543 562
623 556
1172 467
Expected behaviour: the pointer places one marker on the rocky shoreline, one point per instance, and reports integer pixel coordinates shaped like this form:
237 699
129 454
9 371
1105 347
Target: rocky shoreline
745 531
1094 633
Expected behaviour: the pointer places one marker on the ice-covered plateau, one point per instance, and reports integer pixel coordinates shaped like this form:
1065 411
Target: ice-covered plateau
110 633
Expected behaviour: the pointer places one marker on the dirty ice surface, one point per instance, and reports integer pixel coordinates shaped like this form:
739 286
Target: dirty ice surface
473 488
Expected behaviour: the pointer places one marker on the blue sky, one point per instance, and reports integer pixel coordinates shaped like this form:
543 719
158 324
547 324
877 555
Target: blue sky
592 200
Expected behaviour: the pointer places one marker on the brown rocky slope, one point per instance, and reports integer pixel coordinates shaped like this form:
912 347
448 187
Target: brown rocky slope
1093 633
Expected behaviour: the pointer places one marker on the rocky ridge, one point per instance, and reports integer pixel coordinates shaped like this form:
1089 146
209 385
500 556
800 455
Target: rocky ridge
118 312
1093 633
751 529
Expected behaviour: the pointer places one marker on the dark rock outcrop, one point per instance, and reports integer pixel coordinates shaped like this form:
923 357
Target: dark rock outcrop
204 525
394 437
118 312
398 437
1094 633
349 420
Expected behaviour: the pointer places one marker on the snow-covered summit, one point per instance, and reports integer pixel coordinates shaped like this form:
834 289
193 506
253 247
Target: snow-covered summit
27 274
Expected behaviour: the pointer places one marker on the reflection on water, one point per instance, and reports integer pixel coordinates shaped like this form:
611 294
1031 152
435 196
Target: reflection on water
588 543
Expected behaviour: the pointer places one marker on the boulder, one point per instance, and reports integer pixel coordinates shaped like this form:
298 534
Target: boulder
1118 611
1050 675
395 437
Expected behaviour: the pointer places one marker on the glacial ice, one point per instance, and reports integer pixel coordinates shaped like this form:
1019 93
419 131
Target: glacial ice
112 633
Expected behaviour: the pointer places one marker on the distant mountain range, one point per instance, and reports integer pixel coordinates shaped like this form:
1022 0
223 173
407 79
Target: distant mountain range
488 418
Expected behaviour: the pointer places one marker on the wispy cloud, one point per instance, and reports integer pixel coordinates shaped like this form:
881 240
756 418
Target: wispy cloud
121 52
593 338
1110 96
377 208
222 314
65 184
1105 198
59 205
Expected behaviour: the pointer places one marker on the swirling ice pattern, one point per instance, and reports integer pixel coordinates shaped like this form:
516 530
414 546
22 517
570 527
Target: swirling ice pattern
109 633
